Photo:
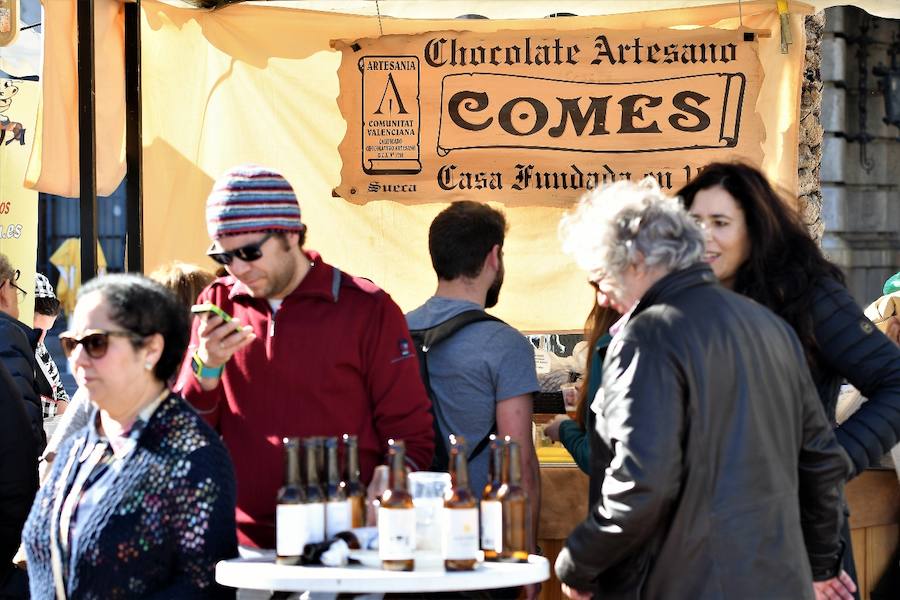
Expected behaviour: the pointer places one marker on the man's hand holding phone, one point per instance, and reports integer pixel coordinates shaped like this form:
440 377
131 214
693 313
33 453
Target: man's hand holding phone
220 336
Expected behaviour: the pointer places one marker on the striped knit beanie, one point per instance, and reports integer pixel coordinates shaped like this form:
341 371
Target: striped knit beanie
251 198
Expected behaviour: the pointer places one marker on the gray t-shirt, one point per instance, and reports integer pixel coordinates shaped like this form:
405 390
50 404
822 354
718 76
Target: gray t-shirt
480 365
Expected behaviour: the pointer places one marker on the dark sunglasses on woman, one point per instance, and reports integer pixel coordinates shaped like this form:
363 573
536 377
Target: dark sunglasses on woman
94 341
247 253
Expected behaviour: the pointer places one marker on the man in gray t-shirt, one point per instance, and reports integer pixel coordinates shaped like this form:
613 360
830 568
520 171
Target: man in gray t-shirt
485 371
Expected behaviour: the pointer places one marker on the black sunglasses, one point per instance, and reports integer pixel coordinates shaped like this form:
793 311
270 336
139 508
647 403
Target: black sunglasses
247 253
94 341
12 281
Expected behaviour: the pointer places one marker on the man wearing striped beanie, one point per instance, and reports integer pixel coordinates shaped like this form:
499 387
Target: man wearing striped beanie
311 351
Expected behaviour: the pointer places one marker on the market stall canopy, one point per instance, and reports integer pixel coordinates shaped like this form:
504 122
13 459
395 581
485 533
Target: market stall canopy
536 9
264 82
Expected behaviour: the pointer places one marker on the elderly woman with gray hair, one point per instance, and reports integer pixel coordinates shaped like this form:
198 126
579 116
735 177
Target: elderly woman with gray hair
725 475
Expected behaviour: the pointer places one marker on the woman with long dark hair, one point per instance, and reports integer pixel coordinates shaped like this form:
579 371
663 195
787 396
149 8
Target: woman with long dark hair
758 247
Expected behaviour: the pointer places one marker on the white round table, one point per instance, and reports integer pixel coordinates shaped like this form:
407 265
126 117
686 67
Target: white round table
264 574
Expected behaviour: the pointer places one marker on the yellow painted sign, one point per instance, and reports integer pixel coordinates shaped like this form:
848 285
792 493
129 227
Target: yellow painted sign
537 118
18 205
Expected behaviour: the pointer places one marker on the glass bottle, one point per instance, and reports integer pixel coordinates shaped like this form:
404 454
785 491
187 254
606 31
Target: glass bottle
315 497
460 531
338 515
491 511
516 508
396 516
356 491
291 533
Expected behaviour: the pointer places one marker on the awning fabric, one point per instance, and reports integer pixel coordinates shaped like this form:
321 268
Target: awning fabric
258 83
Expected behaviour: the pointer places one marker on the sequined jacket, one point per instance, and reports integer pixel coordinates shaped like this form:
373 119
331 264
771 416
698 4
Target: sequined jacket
158 532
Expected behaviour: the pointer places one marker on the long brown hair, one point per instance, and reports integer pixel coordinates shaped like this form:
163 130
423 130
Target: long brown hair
784 260
597 325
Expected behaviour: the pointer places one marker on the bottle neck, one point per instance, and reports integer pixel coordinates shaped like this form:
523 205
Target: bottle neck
292 465
459 470
352 462
398 469
312 466
515 465
333 474
495 466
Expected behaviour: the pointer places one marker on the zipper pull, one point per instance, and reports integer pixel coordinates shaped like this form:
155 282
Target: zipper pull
272 326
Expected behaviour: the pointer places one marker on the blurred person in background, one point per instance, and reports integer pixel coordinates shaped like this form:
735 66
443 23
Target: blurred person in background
757 246
140 501
18 343
54 398
725 478
18 482
184 279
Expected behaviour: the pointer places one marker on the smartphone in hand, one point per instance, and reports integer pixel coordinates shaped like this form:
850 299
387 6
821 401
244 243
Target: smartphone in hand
209 308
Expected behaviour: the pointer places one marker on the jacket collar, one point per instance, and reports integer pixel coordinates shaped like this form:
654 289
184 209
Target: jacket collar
318 282
674 283
33 335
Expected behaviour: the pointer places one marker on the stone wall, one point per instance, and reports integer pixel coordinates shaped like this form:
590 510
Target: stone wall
810 147
860 208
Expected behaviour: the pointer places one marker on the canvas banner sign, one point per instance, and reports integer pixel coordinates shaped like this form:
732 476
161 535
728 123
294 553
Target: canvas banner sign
537 118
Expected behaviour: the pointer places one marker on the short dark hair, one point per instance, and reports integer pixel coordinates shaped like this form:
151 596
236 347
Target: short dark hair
461 237
301 237
145 307
47 306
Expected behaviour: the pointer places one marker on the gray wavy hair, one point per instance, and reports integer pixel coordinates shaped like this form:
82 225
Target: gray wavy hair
6 269
612 227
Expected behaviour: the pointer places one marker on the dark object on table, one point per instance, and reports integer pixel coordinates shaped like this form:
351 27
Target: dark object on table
550 403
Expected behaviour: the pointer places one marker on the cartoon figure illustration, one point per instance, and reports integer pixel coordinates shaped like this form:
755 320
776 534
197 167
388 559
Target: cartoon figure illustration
7 91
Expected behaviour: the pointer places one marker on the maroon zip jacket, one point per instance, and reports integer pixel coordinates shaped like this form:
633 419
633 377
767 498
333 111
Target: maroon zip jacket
336 358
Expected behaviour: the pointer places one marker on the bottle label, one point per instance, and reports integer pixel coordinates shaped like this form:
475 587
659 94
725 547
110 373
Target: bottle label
460 533
396 533
338 517
291 529
491 525
315 522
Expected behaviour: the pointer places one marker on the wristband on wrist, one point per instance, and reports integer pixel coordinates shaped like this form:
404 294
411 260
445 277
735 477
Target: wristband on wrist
201 371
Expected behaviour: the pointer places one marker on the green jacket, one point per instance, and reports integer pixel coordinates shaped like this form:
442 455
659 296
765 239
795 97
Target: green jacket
574 438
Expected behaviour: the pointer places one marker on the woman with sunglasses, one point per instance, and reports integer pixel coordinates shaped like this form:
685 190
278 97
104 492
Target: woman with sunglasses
18 342
186 281
139 502
758 247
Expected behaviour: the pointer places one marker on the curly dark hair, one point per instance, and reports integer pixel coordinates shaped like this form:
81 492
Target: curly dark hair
784 262
145 307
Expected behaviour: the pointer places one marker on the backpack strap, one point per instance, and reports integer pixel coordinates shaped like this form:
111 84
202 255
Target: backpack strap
425 340
433 336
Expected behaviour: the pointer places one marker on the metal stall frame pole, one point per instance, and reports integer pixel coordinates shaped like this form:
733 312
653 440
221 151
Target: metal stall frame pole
134 188
87 139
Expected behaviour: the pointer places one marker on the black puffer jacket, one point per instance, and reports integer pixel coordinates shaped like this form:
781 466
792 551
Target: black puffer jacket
726 475
17 344
18 472
851 348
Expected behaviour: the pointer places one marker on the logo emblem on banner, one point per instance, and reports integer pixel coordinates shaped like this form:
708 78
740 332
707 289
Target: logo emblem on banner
390 115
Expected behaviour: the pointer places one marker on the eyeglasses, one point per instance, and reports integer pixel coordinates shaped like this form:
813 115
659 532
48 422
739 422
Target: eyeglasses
20 293
247 253
94 341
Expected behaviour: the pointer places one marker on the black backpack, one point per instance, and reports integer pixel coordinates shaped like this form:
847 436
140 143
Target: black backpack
425 340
